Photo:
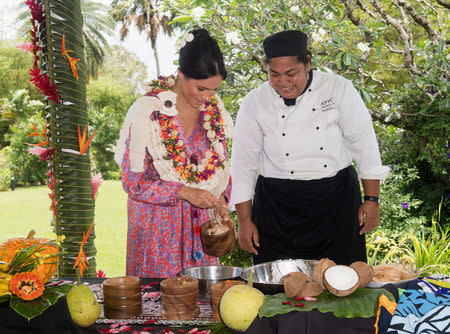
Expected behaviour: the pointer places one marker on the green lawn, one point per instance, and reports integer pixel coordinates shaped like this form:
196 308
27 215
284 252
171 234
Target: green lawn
28 208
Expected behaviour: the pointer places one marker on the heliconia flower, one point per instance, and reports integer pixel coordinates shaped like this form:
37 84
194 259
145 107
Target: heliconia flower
81 261
44 153
101 274
42 82
72 60
96 181
36 10
27 47
83 145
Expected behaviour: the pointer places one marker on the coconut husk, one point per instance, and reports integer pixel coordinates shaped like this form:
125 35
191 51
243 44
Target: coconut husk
320 269
310 289
364 271
293 283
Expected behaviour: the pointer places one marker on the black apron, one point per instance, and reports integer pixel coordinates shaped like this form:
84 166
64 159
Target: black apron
311 219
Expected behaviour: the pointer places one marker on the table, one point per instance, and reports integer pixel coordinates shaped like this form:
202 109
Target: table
57 320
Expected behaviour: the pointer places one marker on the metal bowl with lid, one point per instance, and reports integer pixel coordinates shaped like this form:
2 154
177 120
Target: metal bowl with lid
208 275
268 276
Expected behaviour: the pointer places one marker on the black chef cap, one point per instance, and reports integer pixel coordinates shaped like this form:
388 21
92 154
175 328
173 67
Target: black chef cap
285 43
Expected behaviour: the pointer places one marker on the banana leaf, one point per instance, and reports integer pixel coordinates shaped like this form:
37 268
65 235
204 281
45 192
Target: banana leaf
32 308
362 303
72 190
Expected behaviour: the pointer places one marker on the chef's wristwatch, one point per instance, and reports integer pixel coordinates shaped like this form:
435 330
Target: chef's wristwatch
372 198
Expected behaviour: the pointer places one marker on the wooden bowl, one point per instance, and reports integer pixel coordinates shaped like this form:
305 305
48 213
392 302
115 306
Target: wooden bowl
179 285
189 298
217 291
218 244
180 315
122 297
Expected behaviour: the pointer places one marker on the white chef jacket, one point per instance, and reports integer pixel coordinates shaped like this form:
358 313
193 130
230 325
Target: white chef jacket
328 128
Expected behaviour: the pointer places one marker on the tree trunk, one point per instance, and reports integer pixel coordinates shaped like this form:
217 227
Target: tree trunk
155 53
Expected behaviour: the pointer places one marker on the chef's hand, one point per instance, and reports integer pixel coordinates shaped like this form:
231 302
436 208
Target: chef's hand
198 197
248 237
368 216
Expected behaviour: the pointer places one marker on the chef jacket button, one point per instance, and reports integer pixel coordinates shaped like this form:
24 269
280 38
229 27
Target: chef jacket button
292 172
283 116
321 148
317 128
283 134
309 90
325 166
314 109
287 154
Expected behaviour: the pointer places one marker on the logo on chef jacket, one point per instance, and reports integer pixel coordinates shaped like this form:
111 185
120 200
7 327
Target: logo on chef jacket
328 104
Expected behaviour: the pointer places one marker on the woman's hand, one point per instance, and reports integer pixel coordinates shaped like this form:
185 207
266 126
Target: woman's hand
368 216
198 197
224 213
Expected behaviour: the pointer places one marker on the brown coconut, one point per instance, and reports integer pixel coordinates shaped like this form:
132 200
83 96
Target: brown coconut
341 280
323 265
310 289
365 273
293 283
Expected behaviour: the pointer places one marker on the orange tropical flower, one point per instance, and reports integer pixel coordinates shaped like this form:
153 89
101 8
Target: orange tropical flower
81 261
72 60
37 132
82 140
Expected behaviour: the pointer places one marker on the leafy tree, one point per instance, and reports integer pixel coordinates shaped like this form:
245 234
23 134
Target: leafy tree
395 52
124 67
108 102
145 16
96 24
14 69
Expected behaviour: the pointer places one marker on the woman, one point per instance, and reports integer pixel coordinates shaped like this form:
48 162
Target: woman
296 192
172 150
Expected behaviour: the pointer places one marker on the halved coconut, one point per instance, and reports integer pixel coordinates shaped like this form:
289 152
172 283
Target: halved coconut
323 265
341 280
293 283
364 271
310 289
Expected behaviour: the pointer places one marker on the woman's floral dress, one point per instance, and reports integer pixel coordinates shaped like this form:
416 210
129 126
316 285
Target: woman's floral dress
163 231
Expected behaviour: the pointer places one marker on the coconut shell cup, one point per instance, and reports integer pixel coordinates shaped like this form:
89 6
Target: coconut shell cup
218 244
179 298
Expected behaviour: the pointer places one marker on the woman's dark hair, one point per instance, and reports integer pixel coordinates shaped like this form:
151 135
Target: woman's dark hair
201 58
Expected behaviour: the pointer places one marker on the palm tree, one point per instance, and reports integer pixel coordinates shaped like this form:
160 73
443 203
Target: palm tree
144 14
96 24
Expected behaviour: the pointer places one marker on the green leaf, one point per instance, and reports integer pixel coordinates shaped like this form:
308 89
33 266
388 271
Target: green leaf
32 308
362 303
181 19
4 298
346 58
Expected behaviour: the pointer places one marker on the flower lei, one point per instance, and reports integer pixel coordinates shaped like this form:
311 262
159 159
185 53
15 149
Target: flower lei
190 168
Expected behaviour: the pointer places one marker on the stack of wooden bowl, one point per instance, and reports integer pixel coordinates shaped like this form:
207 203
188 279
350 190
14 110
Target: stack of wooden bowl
179 298
217 291
122 297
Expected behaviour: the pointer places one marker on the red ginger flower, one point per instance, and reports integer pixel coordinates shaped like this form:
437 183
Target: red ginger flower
42 82
36 10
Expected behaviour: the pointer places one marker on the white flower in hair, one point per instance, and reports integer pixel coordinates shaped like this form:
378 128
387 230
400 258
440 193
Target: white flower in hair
189 37
197 13
233 38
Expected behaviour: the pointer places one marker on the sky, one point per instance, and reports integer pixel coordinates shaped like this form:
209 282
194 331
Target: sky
135 42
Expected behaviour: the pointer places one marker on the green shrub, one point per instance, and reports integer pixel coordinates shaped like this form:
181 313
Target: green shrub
5 170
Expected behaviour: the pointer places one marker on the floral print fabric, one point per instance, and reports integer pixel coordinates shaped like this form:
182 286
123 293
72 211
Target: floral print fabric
163 231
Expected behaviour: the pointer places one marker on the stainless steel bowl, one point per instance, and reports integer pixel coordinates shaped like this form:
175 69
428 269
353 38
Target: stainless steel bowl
268 276
208 275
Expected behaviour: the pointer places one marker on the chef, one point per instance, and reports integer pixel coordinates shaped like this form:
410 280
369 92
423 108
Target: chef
296 192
